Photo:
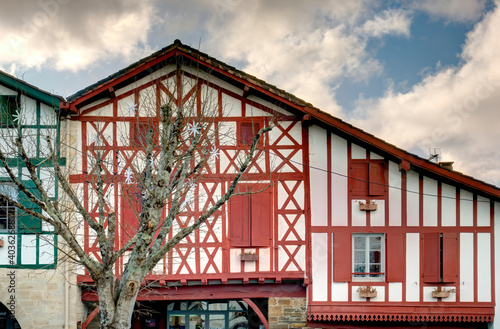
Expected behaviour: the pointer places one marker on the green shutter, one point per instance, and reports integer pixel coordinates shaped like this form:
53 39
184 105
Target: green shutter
26 222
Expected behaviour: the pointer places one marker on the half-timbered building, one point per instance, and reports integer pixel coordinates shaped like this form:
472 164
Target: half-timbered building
32 289
349 231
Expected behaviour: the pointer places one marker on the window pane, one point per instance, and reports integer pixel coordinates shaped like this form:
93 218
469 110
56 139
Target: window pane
375 257
359 257
177 322
359 243
197 321
217 306
359 268
198 305
375 243
217 321
375 268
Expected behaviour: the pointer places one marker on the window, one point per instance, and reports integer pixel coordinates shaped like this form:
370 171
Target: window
8 108
140 131
368 257
7 209
250 216
368 178
246 133
440 255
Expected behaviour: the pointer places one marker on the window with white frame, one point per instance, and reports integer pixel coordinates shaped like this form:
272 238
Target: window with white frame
7 209
368 257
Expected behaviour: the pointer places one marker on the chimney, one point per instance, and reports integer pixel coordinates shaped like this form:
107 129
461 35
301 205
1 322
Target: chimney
446 165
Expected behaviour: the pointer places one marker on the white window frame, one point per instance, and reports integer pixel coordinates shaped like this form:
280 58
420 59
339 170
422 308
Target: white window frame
9 190
367 277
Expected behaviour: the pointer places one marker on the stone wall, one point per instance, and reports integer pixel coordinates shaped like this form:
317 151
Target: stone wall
40 297
286 312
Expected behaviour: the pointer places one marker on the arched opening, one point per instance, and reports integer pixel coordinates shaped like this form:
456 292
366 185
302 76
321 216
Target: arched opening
7 320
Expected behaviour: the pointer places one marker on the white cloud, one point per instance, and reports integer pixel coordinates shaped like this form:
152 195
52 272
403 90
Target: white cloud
451 10
455 109
302 47
71 35
388 22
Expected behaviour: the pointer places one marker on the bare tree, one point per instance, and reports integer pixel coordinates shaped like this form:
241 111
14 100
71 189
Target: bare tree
177 140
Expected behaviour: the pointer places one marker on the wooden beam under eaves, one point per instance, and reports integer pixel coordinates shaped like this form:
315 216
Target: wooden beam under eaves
247 91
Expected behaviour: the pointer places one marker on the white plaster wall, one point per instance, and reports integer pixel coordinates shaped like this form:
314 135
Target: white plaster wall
483 267
318 178
412 199
466 267
339 181
466 208
357 152
395 193
319 259
430 202
412 267
448 205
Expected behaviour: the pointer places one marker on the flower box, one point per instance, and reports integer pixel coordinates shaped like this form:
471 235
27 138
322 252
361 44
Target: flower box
442 293
367 292
249 257
368 206
1 243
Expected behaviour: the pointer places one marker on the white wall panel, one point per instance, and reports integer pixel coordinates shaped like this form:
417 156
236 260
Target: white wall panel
395 291
377 217
430 202
394 194
319 259
466 267
466 208
448 205
46 249
340 291
483 211
412 197
28 249
497 260
319 179
357 152
483 267
358 217
412 267
339 183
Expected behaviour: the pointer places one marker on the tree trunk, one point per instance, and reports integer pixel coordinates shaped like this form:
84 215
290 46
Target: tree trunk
117 303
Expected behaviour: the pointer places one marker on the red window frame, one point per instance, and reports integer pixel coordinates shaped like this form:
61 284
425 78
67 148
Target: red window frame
250 216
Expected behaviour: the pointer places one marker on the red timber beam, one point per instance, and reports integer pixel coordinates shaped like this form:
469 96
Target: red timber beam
90 317
257 311
230 291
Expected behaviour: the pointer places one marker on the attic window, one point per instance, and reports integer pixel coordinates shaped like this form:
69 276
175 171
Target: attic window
8 108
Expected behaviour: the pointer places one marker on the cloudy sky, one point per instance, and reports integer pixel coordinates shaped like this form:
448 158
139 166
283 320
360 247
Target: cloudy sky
420 74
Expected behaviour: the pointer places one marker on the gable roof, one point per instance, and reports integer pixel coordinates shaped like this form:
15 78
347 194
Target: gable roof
250 84
27 89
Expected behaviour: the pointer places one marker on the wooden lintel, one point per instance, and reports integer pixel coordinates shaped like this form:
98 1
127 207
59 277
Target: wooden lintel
246 91
404 166
112 93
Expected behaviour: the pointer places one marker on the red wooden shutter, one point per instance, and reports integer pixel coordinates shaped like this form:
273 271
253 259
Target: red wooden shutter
239 219
450 256
342 256
395 257
261 216
131 207
377 179
359 179
432 257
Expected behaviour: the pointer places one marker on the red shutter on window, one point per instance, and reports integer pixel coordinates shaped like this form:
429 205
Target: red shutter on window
395 257
239 218
131 207
450 257
261 216
377 179
247 132
342 257
432 257
359 179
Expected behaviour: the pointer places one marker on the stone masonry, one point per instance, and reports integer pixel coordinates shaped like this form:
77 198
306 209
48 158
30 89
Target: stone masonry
286 313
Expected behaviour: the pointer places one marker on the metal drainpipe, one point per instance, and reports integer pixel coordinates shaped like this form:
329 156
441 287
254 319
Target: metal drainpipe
66 265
